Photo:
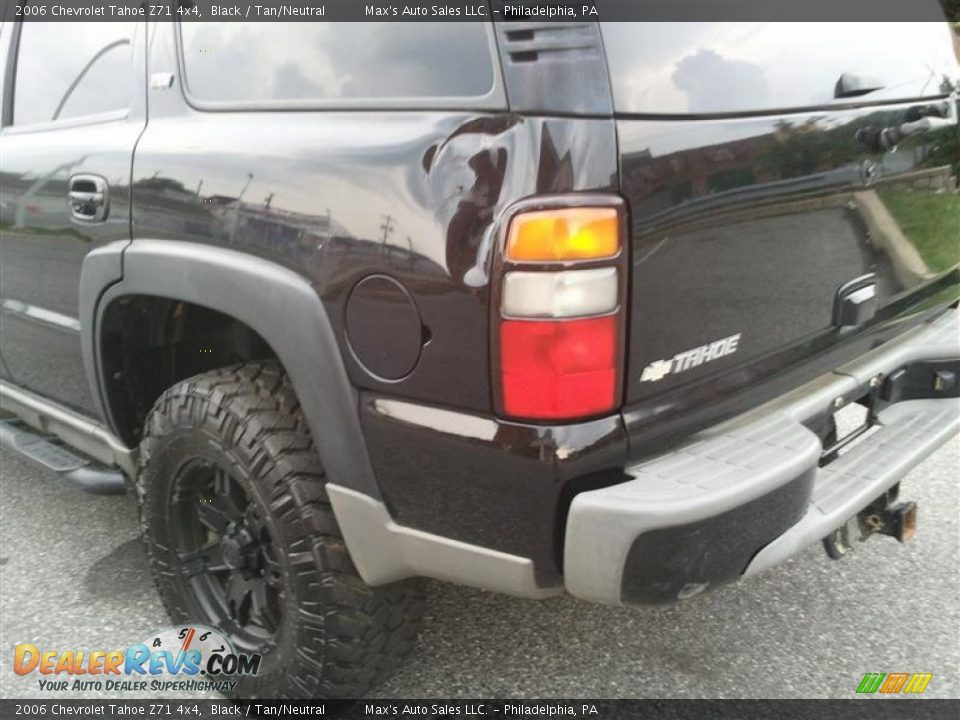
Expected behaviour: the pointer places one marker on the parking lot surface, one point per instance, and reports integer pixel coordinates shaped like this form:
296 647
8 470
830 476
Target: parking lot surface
73 576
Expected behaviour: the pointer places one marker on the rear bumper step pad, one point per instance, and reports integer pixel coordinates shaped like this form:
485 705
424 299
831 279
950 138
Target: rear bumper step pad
910 432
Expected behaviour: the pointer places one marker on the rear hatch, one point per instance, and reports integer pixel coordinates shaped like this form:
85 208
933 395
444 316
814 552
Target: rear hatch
766 166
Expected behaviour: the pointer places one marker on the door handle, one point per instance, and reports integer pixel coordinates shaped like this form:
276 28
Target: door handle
89 198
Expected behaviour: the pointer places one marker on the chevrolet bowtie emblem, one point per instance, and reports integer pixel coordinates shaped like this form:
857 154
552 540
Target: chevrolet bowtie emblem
656 370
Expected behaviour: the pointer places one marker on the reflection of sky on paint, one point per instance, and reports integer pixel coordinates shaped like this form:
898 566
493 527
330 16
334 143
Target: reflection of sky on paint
278 61
729 67
53 54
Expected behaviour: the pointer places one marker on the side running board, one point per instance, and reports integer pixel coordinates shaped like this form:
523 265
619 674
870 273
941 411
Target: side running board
49 453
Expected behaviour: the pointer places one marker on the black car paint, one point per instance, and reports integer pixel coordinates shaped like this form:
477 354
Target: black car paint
43 247
418 196
765 257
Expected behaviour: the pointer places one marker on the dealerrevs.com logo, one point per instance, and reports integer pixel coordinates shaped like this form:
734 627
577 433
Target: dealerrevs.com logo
190 659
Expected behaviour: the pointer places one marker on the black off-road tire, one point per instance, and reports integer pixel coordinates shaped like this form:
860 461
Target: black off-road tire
337 637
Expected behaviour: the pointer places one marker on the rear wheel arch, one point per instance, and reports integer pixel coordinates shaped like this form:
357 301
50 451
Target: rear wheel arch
267 301
148 343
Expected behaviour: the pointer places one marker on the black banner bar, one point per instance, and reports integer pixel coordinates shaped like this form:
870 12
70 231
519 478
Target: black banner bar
475 10
164 709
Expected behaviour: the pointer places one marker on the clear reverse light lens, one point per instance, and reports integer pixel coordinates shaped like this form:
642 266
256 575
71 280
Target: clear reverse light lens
571 293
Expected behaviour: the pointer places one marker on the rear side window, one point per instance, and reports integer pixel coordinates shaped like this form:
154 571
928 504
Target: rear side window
72 69
702 68
280 62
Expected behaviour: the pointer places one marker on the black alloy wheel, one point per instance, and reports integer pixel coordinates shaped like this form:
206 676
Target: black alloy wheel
226 552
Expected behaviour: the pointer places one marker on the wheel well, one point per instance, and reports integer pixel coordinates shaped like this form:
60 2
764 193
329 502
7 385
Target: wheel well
148 344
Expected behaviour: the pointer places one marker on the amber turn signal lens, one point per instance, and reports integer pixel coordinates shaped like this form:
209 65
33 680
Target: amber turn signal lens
583 233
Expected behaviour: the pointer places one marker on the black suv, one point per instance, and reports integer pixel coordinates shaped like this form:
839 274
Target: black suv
529 306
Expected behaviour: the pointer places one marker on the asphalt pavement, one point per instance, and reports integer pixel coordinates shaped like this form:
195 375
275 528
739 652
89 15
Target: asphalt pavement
73 575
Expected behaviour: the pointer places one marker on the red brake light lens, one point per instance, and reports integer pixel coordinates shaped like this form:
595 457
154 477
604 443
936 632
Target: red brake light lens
557 370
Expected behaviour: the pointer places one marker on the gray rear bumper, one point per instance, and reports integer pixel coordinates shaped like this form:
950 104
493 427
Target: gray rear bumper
745 495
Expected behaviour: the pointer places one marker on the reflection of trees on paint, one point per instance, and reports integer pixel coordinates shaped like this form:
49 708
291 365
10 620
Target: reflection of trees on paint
952 9
812 154
806 147
731 179
803 148
159 184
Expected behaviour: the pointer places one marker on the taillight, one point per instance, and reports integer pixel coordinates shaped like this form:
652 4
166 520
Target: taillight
558 325
577 233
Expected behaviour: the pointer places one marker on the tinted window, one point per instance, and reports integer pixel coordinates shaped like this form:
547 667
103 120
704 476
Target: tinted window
71 69
691 68
234 61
